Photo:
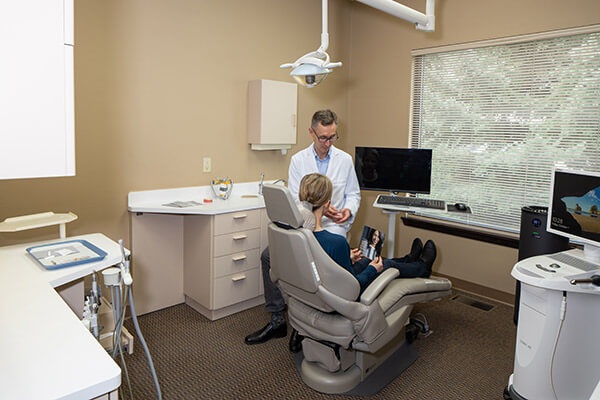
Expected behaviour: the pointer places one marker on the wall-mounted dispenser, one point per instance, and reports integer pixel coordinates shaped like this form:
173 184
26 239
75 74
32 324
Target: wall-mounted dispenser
272 115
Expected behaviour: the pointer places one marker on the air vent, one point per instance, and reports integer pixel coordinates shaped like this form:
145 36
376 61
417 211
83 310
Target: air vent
473 303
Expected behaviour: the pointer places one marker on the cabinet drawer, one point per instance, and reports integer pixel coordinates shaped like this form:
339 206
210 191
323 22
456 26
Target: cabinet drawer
237 242
237 262
234 288
237 221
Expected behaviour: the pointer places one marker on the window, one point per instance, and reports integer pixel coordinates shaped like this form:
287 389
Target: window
499 115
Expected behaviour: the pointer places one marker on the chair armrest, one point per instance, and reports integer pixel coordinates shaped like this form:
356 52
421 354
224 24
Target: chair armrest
368 321
377 286
352 310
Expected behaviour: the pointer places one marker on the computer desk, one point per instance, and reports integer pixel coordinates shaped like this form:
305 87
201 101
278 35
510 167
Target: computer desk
392 211
47 353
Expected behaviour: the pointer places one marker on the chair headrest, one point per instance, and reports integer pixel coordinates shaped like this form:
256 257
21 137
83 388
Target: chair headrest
281 206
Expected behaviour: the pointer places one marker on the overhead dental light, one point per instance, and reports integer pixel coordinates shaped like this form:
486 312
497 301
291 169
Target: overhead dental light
312 68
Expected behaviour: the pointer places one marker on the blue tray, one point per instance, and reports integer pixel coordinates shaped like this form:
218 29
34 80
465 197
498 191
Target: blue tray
66 254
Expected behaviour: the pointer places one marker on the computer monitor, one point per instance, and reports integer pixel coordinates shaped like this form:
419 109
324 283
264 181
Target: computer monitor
393 170
574 210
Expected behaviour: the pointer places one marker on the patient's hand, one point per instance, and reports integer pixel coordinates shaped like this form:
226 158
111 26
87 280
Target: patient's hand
377 263
355 255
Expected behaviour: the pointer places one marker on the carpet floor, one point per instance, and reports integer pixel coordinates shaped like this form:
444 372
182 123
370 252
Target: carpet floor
468 355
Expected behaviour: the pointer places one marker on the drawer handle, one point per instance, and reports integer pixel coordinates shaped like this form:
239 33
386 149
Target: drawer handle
240 237
240 258
238 278
240 216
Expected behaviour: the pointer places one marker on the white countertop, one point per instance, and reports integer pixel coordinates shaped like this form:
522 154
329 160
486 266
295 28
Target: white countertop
244 196
47 353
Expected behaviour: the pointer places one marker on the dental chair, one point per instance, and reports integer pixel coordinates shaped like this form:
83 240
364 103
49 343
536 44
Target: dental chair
346 338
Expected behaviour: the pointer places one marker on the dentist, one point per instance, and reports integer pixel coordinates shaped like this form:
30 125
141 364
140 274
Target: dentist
322 157
337 165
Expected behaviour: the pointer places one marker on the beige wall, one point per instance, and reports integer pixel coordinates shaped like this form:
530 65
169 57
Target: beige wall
379 98
161 84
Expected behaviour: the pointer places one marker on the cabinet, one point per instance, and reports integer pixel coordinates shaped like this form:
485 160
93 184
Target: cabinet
272 114
212 262
37 135
222 262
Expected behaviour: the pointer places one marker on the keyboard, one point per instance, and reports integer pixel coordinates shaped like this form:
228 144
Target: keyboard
411 202
574 261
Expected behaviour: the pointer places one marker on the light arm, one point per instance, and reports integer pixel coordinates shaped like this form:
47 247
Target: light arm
424 22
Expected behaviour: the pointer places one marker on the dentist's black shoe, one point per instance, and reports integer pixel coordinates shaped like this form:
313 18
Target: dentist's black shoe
428 254
266 333
295 341
415 250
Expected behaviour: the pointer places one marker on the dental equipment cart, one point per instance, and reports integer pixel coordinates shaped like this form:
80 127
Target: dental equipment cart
556 354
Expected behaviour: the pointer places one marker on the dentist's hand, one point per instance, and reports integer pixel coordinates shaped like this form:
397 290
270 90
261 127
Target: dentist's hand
332 213
339 217
343 216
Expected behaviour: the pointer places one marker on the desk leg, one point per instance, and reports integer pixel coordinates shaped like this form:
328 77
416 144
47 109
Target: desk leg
391 232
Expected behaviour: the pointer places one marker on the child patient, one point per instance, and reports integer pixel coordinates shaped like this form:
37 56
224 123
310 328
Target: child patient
316 190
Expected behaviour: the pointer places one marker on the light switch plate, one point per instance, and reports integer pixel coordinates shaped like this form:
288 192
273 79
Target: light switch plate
206 164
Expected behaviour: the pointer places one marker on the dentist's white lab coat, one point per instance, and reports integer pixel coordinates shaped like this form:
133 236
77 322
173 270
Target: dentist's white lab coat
346 193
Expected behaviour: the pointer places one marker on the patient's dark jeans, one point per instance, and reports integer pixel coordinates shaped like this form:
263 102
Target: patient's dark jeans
274 299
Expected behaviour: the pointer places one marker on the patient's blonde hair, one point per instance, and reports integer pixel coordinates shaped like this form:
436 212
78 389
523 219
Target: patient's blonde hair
316 189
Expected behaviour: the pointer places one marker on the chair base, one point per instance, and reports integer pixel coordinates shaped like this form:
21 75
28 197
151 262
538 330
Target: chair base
369 374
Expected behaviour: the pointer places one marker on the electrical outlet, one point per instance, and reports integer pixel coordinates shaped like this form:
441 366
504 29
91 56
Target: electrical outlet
206 164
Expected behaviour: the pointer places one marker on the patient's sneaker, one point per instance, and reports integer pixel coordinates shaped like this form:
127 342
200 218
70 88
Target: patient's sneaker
428 254
415 250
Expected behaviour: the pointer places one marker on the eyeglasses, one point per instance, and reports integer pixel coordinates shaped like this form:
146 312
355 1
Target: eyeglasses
331 139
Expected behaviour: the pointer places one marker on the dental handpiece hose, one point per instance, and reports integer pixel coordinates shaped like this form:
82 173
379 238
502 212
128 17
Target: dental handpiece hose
128 280
113 296
94 304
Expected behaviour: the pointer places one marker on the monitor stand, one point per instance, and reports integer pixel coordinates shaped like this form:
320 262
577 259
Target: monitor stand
591 253
390 239
391 227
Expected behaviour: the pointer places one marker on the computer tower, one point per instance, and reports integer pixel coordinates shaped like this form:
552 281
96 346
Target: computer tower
534 240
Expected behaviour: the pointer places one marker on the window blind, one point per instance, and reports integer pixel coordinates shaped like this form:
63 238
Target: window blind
500 118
